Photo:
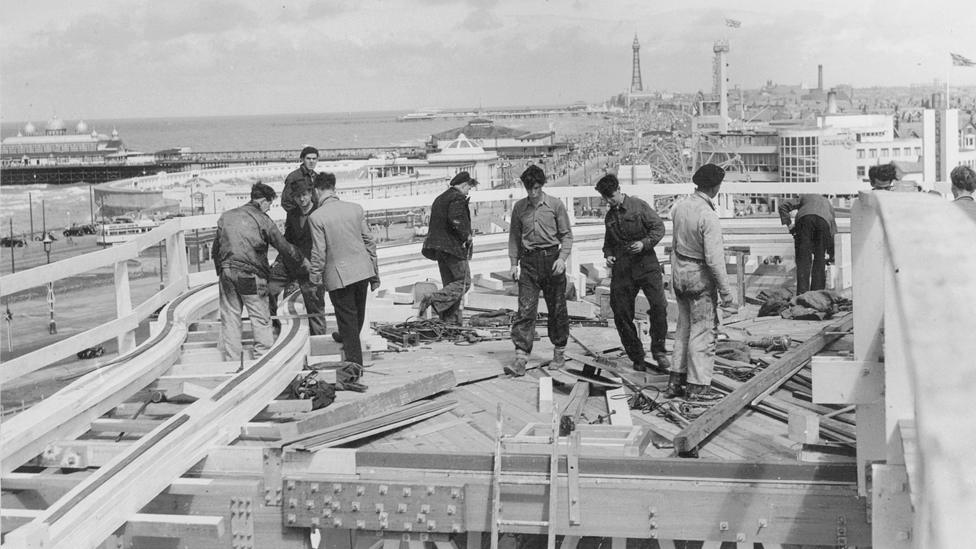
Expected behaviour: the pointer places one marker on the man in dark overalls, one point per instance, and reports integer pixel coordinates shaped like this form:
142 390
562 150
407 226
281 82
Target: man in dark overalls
633 228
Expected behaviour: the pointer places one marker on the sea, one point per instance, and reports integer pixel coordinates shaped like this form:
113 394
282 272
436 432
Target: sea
67 204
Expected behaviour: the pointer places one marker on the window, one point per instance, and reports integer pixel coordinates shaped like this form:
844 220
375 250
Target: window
860 171
884 153
872 153
860 153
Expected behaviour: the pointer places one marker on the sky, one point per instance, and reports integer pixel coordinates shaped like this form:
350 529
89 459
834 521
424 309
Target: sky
169 58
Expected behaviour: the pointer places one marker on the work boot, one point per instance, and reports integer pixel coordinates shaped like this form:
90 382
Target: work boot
336 337
676 385
702 393
517 367
558 360
663 364
640 365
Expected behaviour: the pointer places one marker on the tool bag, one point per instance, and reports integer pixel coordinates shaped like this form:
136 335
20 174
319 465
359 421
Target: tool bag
306 387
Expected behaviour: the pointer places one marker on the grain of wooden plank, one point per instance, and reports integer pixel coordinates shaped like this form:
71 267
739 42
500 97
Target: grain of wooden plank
692 435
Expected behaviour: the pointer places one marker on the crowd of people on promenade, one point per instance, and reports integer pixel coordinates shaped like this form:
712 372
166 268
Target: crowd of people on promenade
327 247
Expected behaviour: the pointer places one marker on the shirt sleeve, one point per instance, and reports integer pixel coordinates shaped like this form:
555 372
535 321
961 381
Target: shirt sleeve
711 230
609 240
287 200
317 257
787 206
515 234
564 231
654 227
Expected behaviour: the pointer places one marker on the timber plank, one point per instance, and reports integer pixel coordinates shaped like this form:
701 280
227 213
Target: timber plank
692 435
371 402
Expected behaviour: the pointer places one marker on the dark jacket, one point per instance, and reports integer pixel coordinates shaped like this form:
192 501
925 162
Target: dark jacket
288 192
632 221
450 226
242 240
297 233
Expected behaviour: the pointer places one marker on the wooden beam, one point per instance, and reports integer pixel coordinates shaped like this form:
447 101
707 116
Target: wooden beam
371 404
140 524
698 430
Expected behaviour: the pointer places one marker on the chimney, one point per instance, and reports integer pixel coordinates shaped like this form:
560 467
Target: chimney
820 77
832 101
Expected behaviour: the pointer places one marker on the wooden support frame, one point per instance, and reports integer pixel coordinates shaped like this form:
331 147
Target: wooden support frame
101 503
691 436
140 524
68 413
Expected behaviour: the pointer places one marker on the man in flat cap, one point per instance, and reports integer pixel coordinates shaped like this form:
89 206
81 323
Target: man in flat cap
697 275
633 228
448 243
539 241
284 272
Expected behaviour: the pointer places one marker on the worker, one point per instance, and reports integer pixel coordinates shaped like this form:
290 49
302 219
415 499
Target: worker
633 228
449 243
309 158
343 259
539 241
697 274
240 254
963 185
882 176
813 238
284 272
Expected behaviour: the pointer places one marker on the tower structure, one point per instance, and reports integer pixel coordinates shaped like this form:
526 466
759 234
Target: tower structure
636 85
720 82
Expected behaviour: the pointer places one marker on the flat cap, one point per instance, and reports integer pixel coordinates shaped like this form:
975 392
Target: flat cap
708 176
463 177
533 175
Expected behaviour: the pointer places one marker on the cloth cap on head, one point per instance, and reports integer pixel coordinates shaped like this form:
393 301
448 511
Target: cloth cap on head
307 151
533 175
463 177
301 186
708 176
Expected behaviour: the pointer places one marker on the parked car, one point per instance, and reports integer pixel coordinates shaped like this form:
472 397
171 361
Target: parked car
12 242
79 230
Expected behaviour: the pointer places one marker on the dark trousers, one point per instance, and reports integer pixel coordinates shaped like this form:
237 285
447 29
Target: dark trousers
623 292
812 241
456 277
350 310
314 296
537 276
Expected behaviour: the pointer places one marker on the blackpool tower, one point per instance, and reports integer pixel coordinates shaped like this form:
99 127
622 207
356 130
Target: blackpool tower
635 79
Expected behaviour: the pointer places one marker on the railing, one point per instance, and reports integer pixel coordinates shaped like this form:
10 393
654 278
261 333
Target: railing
172 235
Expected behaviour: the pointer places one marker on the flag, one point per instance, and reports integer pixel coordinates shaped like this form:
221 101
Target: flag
733 23
962 61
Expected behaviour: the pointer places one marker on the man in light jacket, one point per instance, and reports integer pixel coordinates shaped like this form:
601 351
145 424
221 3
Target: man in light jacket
343 260
240 254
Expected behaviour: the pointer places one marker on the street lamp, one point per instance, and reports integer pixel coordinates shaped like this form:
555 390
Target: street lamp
371 172
52 327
